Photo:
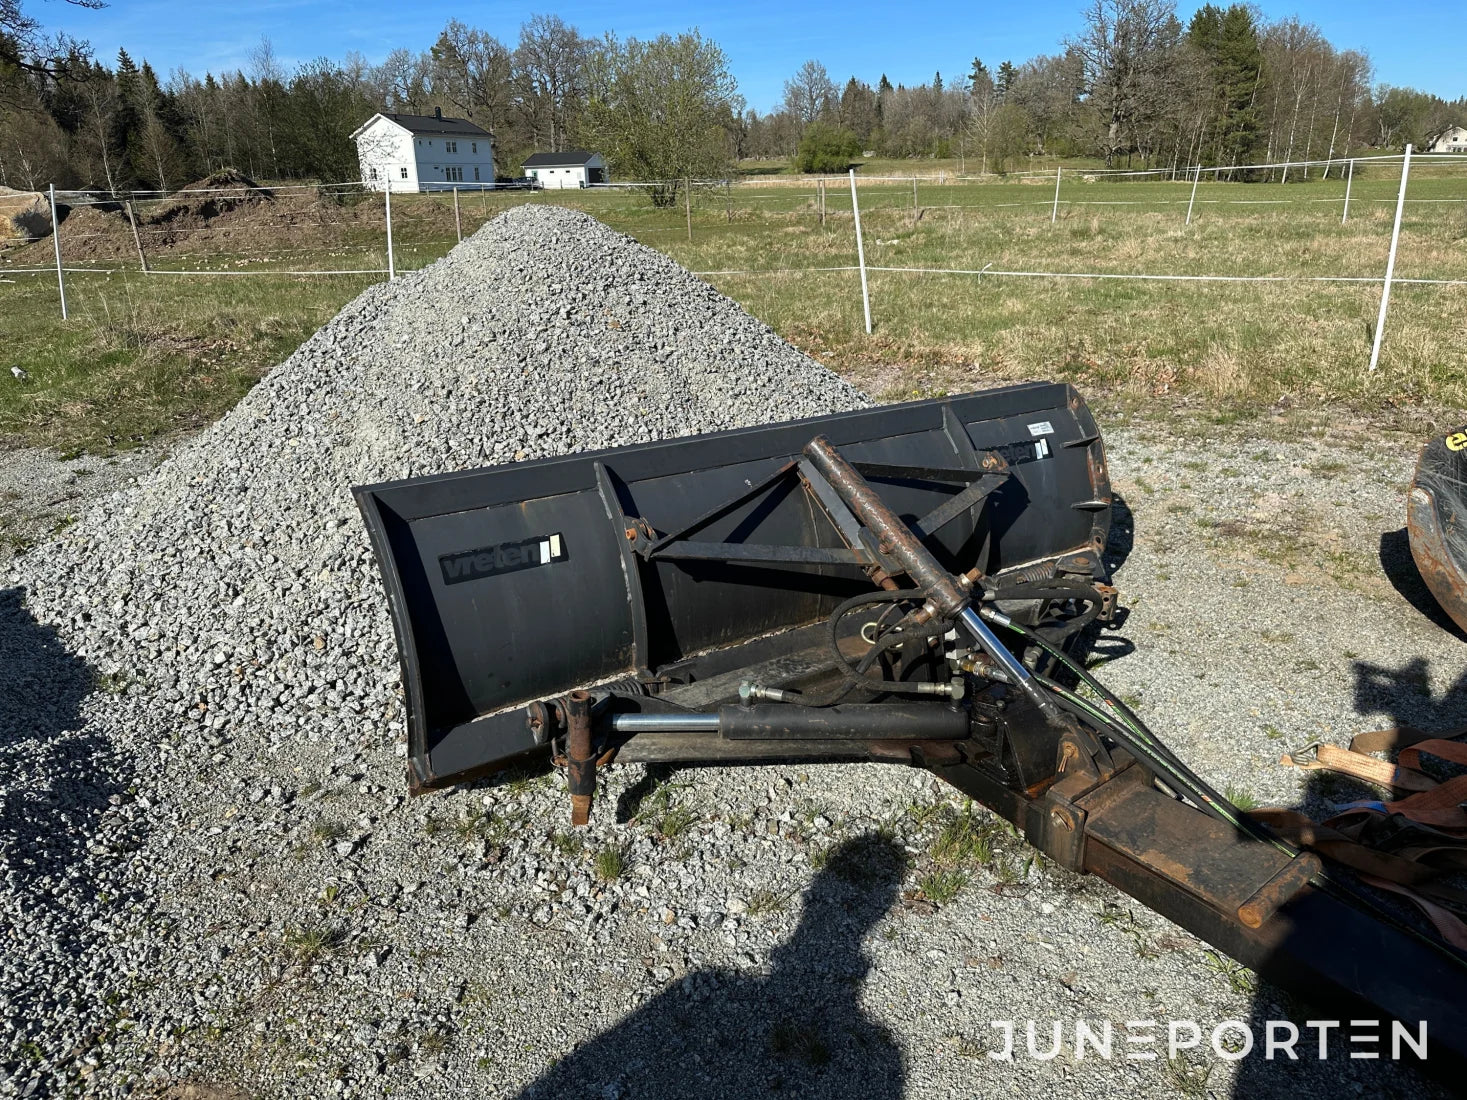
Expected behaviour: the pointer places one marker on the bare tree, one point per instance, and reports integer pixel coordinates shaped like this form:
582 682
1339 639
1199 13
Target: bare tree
983 102
1048 87
809 94
1125 49
269 80
23 45
472 72
401 82
550 61
100 97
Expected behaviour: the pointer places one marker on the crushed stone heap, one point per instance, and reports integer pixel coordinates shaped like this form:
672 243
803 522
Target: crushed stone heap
230 613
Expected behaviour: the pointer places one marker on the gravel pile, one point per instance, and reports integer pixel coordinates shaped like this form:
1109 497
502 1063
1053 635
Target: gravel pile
212 874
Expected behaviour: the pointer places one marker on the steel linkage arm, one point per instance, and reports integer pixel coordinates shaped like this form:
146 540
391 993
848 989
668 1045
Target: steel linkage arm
1248 899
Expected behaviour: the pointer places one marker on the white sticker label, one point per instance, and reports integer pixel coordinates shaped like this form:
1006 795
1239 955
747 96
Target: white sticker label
1041 448
1044 427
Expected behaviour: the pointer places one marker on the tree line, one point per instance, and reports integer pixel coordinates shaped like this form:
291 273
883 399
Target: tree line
1135 87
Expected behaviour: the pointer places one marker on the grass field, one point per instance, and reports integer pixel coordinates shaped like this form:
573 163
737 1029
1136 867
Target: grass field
144 355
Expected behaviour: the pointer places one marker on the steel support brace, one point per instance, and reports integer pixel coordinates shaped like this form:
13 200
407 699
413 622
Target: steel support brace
1247 898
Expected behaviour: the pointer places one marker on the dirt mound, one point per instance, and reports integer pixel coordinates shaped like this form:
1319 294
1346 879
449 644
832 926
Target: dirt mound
24 215
197 218
202 203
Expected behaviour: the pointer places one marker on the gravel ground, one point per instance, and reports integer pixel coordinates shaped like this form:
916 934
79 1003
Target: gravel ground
213 877
42 493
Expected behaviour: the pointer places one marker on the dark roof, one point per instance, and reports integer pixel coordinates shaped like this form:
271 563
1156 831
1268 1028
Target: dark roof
569 157
431 124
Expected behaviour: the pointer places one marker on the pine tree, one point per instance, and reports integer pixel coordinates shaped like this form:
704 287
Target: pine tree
126 118
978 76
1005 81
1227 42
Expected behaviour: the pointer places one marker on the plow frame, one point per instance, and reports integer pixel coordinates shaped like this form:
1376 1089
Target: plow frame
798 505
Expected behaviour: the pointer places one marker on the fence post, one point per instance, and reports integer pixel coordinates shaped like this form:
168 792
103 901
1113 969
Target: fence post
458 226
914 200
821 182
1054 214
1349 179
688 204
1385 293
56 241
132 220
861 254
391 266
1196 179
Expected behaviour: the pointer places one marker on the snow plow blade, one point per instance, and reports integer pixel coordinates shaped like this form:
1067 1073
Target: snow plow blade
901 585
1436 521
518 583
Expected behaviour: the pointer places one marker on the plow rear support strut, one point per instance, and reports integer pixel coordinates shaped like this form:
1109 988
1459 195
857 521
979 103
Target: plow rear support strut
1248 900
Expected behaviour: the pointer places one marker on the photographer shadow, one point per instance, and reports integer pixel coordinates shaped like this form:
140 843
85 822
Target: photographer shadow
1404 694
56 782
53 780
798 1031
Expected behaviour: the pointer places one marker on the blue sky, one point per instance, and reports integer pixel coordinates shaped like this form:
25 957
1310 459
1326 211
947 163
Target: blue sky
766 40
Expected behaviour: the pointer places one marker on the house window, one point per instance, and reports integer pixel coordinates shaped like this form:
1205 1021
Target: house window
454 172
450 146
404 173
473 146
476 173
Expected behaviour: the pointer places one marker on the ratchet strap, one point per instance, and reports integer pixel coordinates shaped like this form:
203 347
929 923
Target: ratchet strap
1403 845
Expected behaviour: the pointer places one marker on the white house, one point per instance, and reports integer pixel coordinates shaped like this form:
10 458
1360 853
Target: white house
423 152
1451 140
572 168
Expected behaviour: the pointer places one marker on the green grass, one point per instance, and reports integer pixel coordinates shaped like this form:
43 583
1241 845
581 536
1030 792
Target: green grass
310 942
1237 976
1241 798
143 357
610 863
766 900
941 887
966 839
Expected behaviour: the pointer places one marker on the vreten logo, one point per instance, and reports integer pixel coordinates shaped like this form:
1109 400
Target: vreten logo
507 557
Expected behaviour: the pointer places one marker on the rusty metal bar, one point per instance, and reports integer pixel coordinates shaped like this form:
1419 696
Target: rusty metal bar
580 758
1247 899
894 536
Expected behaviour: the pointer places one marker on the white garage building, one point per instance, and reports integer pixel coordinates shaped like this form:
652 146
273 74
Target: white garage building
572 168
423 152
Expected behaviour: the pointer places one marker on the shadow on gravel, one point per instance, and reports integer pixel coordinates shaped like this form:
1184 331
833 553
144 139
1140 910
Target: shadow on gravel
1400 569
53 784
1403 693
799 1032
1122 538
